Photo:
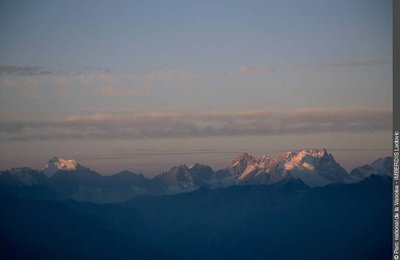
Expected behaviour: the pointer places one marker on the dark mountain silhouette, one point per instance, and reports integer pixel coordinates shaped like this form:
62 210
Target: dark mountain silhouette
285 220
32 229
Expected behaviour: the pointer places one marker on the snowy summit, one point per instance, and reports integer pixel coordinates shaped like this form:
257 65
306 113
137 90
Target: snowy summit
56 164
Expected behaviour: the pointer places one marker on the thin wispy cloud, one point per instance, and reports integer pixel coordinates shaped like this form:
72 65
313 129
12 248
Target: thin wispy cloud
271 69
36 83
24 81
334 64
22 70
358 63
178 124
96 82
245 69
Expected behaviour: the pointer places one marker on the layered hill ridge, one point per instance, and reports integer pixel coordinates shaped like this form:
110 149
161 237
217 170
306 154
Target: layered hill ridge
237 222
68 179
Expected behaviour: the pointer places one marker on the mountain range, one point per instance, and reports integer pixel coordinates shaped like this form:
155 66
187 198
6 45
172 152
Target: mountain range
284 220
67 179
299 205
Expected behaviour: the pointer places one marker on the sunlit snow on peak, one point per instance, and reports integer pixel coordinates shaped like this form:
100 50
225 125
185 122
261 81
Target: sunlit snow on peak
55 164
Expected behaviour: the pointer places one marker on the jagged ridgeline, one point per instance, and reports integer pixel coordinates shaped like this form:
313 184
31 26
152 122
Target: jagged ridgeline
299 205
66 178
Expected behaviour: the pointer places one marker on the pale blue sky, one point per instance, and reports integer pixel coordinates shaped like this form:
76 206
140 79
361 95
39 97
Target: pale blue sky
96 77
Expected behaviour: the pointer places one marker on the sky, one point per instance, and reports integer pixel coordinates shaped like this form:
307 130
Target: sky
146 85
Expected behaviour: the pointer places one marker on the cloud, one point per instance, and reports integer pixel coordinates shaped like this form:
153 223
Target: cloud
336 64
357 63
23 81
271 69
245 69
22 70
178 124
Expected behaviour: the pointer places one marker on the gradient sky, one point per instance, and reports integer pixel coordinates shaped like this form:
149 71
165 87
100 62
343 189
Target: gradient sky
145 85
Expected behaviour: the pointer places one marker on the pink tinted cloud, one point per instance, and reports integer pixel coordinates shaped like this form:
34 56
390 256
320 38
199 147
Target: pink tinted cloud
159 124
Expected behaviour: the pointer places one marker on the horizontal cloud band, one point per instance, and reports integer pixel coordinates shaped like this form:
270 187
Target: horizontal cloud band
177 124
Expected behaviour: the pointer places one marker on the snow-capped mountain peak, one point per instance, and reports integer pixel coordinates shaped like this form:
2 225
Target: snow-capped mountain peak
240 163
314 153
56 163
264 160
381 166
318 153
244 157
316 167
306 159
